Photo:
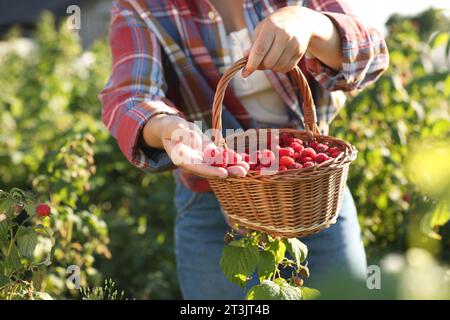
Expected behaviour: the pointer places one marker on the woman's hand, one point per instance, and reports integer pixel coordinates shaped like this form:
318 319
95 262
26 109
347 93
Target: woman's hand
184 142
281 40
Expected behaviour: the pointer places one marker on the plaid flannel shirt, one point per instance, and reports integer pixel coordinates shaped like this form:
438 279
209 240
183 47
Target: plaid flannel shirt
168 57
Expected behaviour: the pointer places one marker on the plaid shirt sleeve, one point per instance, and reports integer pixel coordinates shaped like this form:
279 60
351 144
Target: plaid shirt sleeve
364 50
135 91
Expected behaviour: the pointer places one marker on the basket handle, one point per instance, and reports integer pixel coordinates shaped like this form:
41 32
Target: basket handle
309 110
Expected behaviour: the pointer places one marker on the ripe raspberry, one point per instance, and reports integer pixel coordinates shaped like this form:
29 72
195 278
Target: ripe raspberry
303 160
286 161
267 157
321 148
334 149
295 166
232 157
43 210
321 157
216 157
297 147
406 197
245 157
313 144
334 152
288 152
309 152
285 139
253 166
258 167
299 141
308 164
255 157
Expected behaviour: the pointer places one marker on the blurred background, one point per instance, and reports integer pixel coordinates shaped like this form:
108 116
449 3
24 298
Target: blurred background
113 222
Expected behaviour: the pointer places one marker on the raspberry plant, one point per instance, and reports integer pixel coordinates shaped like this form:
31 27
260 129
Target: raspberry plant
258 254
21 230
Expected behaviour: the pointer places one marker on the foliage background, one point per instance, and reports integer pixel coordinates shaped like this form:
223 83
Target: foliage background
111 220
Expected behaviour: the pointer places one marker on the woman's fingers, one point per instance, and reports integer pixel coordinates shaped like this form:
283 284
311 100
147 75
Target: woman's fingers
244 164
289 58
185 148
206 171
258 51
237 171
276 50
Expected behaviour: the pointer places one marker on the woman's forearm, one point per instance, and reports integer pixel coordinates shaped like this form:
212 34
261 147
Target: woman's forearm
325 43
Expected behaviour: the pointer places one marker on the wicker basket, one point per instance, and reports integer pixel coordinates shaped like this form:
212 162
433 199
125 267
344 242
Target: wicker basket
288 204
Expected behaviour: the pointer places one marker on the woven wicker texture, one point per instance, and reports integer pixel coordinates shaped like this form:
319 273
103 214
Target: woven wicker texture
291 203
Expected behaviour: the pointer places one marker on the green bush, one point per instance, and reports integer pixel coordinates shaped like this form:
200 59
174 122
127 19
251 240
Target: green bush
409 103
53 141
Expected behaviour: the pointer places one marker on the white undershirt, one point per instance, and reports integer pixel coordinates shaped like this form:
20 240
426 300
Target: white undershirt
256 93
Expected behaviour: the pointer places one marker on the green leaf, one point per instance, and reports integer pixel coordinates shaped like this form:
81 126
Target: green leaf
278 248
297 249
266 265
11 262
3 231
6 206
237 263
310 293
237 243
441 214
3 281
288 292
26 241
267 290
440 39
431 221
270 290
30 209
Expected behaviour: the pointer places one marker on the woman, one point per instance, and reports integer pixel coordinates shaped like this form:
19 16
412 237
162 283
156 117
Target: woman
168 57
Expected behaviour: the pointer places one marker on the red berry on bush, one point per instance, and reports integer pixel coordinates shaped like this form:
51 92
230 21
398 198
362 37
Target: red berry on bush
287 151
321 157
406 197
286 161
43 210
